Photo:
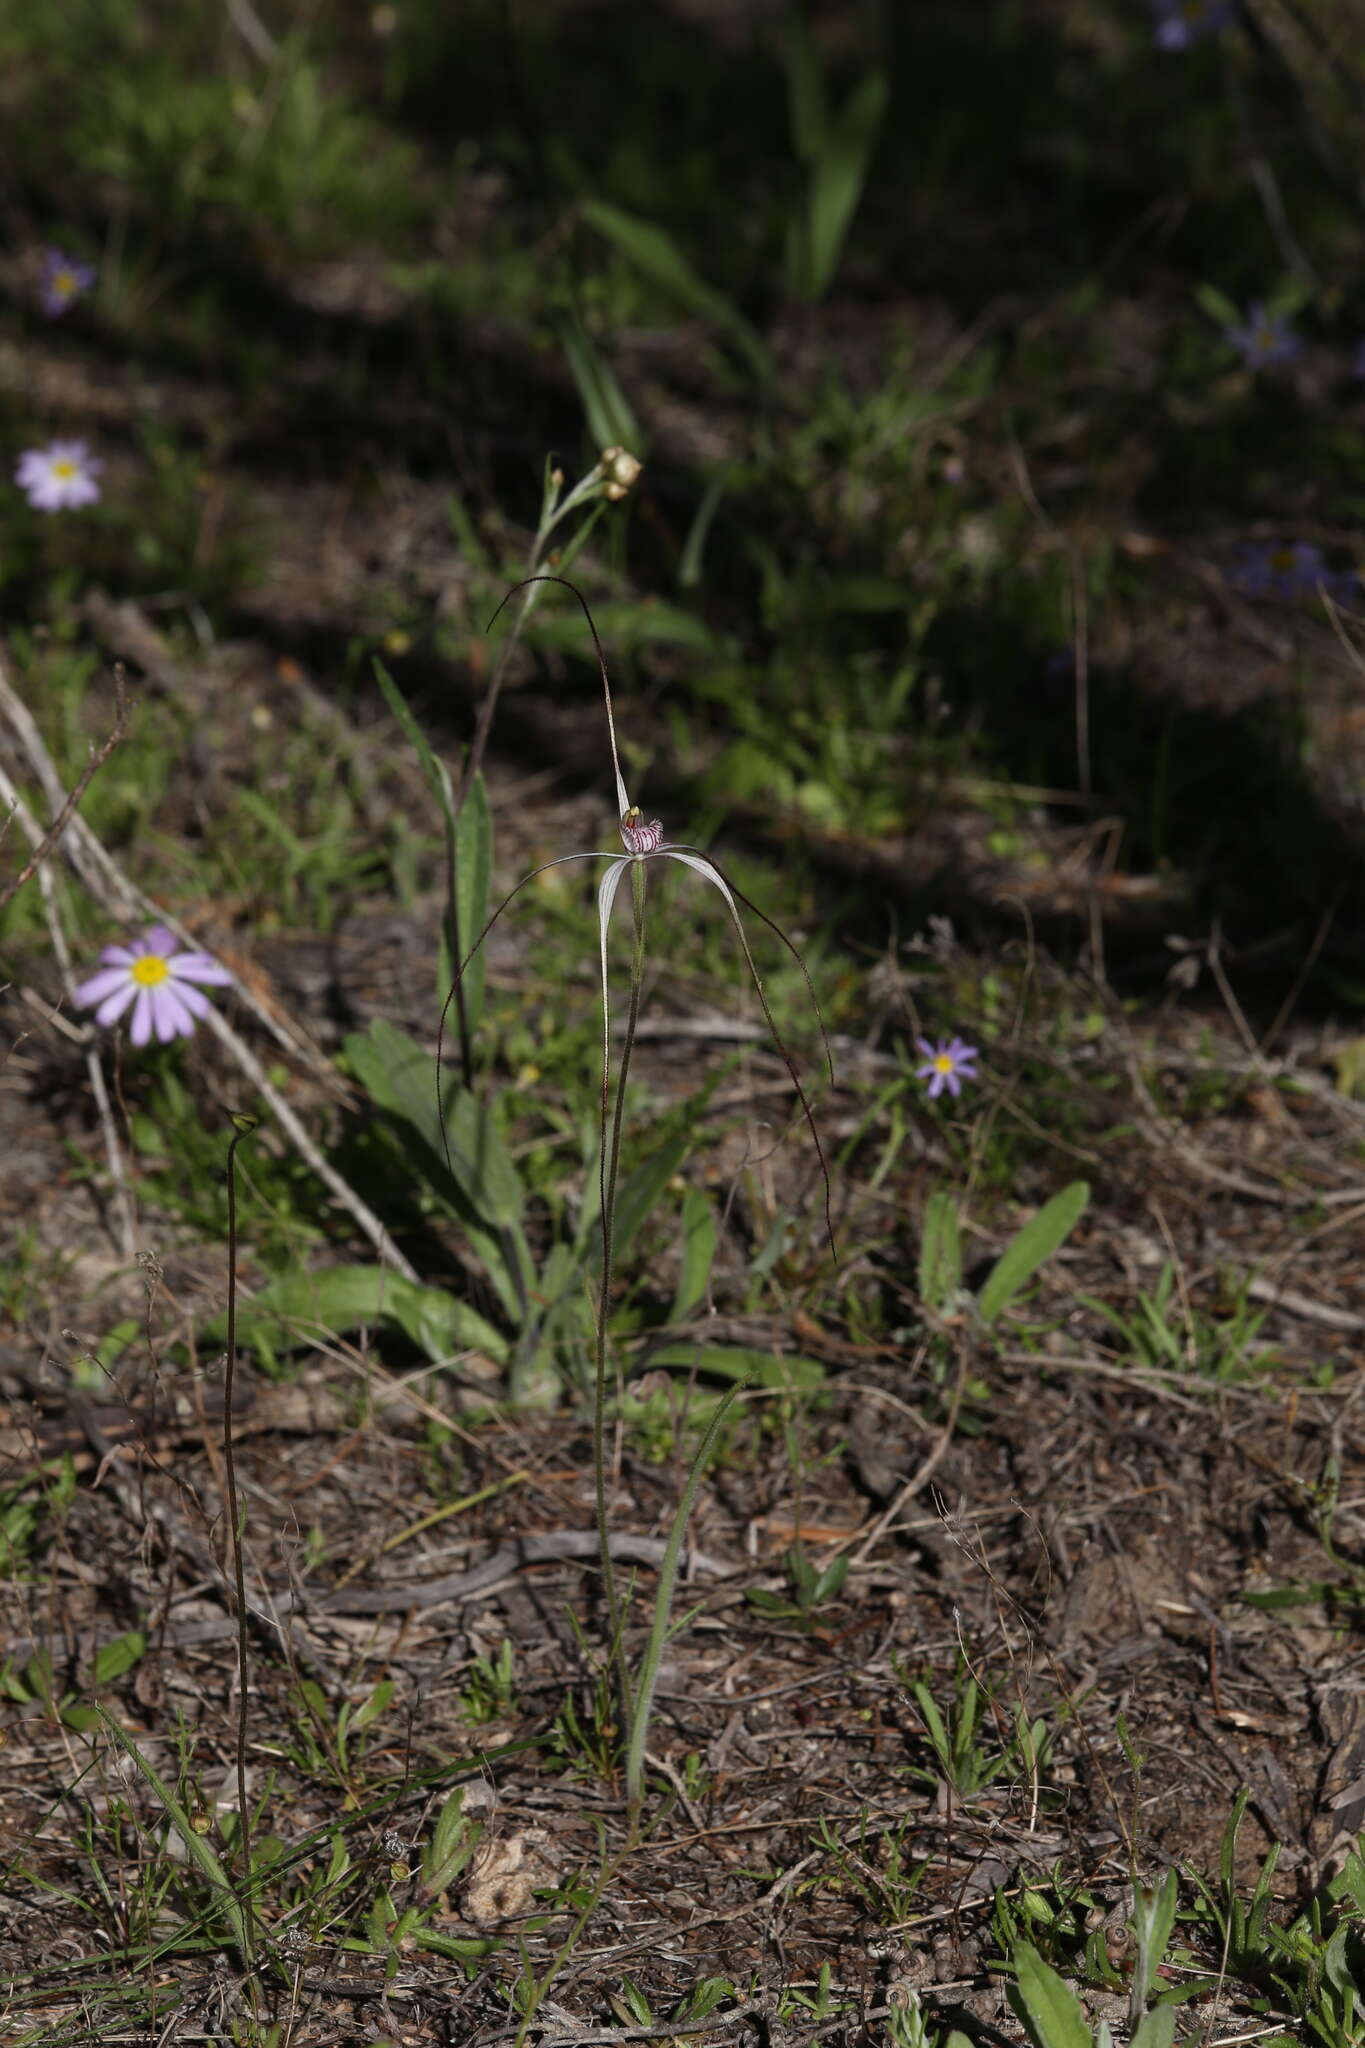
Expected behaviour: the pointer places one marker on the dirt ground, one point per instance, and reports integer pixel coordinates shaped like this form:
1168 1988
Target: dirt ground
1079 1532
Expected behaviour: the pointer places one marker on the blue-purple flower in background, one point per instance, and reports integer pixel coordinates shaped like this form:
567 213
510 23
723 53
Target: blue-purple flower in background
64 279
1180 23
60 477
1264 340
154 976
946 1065
1292 569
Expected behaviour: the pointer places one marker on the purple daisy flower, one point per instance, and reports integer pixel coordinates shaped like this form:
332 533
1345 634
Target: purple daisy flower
1180 23
62 282
946 1065
62 476
1265 339
1358 362
1290 570
155 977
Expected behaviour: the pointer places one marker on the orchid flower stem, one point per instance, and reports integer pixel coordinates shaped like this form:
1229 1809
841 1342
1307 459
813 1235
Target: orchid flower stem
553 510
643 1701
609 1163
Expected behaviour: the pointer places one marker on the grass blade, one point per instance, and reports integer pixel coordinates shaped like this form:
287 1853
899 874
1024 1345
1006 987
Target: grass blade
196 1848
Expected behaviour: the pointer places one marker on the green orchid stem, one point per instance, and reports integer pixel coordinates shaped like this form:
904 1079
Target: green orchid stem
588 490
643 1703
609 1164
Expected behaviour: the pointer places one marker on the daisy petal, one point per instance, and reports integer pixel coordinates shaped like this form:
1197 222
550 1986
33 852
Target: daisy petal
113 1006
141 1029
100 986
169 1017
117 956
199 967
190 1000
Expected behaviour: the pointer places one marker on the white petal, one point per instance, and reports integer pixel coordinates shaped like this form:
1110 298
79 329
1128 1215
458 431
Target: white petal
606 896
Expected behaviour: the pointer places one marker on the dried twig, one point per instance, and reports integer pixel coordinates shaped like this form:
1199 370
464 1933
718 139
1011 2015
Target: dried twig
123 900
77 790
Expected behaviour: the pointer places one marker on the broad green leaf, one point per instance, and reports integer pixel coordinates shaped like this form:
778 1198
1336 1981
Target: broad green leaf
638 1195
940 1254
370 1709
400 1077
626 626
119 1656
340 1298
1218 305
698 1253
694 547
470 833
433 768
1349 1061
837 180
1156 2029
1151 1921
1051 2009
453 1842
611 422
654 252
1031 1248
735 1362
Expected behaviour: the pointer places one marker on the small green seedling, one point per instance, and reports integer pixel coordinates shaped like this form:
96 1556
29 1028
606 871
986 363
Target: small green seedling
810 1589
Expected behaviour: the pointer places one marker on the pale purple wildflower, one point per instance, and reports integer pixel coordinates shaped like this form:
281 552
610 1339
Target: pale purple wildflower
947 1065
1358 362
1292 569
63 281
60 477
1179 23
157 979
1265 339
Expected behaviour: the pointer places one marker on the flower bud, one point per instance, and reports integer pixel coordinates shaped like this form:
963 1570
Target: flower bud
620 469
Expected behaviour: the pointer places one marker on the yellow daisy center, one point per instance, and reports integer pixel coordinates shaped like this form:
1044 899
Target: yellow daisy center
64 283
943 1063
149 971
64 467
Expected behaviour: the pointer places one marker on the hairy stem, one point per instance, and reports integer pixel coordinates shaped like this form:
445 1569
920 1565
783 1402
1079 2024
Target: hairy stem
643 1703
609 1162
551 512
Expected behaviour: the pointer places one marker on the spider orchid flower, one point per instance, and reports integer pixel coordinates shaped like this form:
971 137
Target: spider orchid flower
643 841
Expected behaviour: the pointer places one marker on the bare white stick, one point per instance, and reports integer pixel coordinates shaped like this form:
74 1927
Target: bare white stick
307 1150
117 895
123 1200
120 897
